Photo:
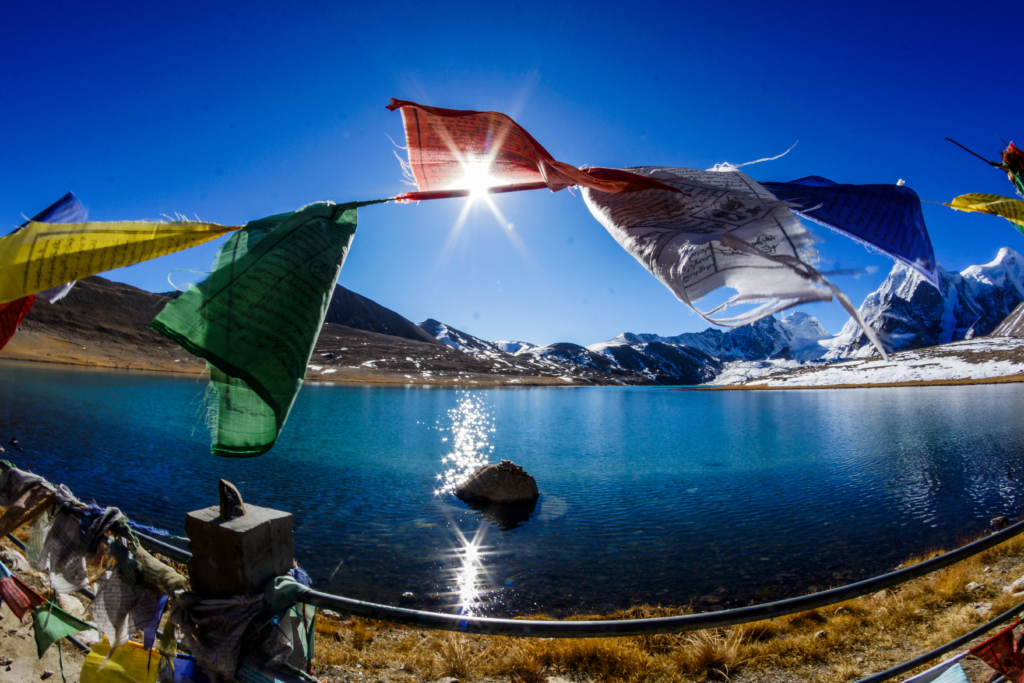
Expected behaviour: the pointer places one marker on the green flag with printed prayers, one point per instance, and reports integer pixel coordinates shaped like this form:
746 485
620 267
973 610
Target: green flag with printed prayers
257 317
51 623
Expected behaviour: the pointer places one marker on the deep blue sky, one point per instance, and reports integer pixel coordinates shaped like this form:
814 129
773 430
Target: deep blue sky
232 112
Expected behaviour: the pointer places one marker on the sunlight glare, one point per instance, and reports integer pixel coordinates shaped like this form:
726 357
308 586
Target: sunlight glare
477 179
472 423
470 577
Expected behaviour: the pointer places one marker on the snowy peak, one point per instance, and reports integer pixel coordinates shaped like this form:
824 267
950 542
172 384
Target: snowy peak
514 347
457 339
760 340
806 335
910 313
804 326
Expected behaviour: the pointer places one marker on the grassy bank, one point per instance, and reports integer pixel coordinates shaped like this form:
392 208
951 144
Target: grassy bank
841 643
833 645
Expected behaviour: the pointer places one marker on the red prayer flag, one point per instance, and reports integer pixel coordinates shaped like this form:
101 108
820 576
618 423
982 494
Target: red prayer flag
448 147
1000 652
11 315
19 597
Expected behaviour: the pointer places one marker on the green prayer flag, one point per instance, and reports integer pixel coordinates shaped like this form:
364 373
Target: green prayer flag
257 317
51 623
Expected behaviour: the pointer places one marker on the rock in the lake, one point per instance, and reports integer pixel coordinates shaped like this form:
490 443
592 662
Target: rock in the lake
999 522
503 483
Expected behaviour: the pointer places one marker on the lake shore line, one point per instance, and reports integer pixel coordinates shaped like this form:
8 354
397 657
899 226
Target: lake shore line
919 383
35 347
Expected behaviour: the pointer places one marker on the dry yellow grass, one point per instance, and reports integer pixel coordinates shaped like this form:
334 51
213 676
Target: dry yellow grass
832 645
837 644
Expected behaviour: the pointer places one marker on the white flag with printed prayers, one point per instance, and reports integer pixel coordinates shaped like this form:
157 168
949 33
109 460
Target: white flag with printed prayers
688 241
723 230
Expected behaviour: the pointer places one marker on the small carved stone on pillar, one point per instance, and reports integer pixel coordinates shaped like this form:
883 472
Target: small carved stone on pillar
236 548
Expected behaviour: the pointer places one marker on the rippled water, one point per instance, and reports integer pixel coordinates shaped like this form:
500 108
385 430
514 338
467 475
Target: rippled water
647 495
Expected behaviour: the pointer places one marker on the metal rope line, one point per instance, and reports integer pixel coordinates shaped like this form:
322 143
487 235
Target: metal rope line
532 628
943 649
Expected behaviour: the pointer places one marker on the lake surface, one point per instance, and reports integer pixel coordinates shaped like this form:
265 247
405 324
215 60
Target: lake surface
647 494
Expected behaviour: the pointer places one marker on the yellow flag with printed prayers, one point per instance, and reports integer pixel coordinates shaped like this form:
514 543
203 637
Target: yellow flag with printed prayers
1009 208
130 663
43 255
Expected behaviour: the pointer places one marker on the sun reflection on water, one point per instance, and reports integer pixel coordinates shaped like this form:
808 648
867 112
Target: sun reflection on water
471 423
469 580
471 426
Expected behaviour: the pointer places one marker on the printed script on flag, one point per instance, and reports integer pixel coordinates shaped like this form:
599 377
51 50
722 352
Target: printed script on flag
684 240
446 146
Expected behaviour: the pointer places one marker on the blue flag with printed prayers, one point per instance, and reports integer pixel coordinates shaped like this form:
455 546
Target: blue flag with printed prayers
885 217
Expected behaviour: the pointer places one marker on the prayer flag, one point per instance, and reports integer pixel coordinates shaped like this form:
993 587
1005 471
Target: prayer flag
1013 164
885 217
43 255
213 629
1007 207
67 209
721 229
14 483
452 149
51 623
62 554
948 671
149 633
11 315
130 663
257 317
121 609
1000 652
18 597
32 503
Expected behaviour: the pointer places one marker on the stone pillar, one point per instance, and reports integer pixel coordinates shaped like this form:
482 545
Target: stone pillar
236 548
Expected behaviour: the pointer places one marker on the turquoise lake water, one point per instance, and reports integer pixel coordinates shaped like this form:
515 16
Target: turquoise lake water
647 494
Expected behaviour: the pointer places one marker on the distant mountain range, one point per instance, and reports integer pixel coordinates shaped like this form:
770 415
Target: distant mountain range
908 312
104 323
687 359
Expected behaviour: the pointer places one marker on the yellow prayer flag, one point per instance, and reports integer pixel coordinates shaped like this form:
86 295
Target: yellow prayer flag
130 663
43 255
997 205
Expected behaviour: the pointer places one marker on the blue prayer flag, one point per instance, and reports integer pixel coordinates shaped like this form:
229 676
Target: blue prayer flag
885 217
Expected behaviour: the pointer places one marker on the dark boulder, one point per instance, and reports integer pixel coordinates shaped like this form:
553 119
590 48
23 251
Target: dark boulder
504 483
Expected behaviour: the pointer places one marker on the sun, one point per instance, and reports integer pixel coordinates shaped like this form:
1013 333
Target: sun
477 179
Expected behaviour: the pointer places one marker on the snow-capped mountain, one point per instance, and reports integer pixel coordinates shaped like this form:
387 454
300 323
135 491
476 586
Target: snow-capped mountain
910 313
690 358
795 336
659 361
514 347
457 339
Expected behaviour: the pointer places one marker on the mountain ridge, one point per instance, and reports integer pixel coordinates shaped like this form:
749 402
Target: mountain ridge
909 313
